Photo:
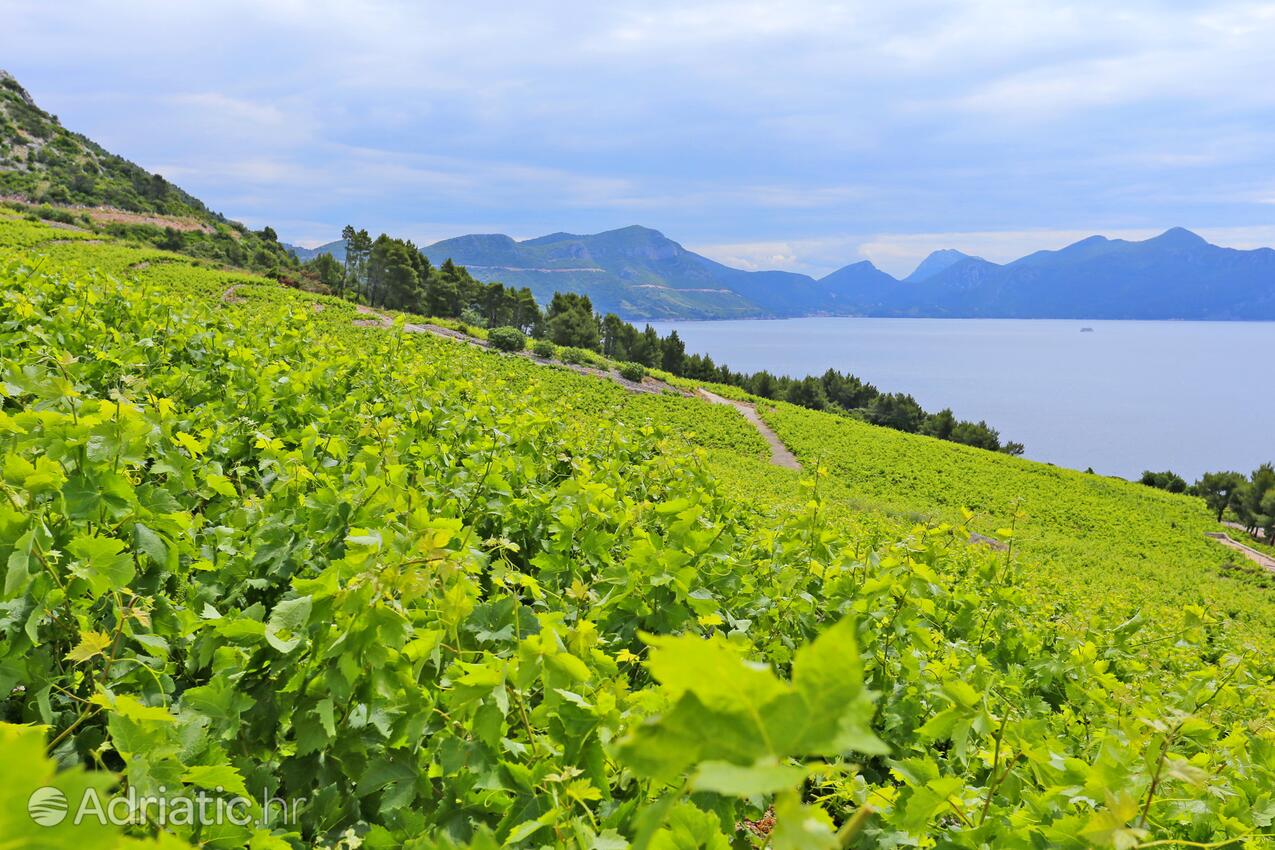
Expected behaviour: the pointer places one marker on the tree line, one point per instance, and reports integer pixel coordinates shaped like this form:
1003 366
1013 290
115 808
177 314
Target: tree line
1249 499
395 274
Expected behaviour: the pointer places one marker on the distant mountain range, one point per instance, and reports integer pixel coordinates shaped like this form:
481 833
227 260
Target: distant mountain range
641 274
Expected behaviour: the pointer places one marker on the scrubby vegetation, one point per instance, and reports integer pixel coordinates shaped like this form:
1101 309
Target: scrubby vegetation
632 371
507 339
1167 480
451 599
50 173
46 163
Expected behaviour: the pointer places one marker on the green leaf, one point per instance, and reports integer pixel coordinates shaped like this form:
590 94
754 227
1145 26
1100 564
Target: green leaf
33 784
736 781
102 562
566 663
221 485
130 707
91 644
263 840
220 701
751 712
689 828
285 629
217 777
1110 827
712 670
928 800
152 544
940 726
801 827
19 565
828 675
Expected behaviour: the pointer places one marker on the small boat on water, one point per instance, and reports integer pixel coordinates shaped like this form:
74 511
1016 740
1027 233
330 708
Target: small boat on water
1086 330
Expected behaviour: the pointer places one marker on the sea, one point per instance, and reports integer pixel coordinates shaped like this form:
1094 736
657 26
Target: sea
1119 397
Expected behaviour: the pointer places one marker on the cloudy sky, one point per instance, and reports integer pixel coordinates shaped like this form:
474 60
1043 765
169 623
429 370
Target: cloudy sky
768 135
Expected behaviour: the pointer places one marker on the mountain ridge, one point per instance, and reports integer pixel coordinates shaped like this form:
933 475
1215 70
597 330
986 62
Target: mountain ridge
640 273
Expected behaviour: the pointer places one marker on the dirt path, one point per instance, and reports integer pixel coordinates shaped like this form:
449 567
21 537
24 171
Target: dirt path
990 542
374 320
439 330
779 454
1263 560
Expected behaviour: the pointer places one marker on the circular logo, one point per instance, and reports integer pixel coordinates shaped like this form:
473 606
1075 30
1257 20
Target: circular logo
47 806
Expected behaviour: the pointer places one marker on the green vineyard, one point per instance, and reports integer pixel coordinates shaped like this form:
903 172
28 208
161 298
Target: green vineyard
367 587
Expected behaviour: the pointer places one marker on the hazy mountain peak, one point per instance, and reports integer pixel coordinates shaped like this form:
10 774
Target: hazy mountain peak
1179 237
493 238
936 262
557 236
858 273
635 230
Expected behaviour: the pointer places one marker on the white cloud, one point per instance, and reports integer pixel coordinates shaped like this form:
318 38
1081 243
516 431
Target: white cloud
748 127
815 257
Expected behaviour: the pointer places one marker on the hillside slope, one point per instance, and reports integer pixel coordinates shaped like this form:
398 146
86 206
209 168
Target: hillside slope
69 178
449 598
1097 544
42 161
633 271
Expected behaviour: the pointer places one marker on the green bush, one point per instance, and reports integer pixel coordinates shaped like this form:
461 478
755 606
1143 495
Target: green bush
634 372
571 354
470 316
507 339
544 348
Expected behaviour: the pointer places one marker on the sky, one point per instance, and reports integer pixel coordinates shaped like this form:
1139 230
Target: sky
793 135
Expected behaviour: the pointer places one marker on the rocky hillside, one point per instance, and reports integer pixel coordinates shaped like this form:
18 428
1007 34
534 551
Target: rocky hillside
51 172
43 162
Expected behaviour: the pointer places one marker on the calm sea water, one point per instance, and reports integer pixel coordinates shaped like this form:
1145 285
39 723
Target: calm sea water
1186 396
